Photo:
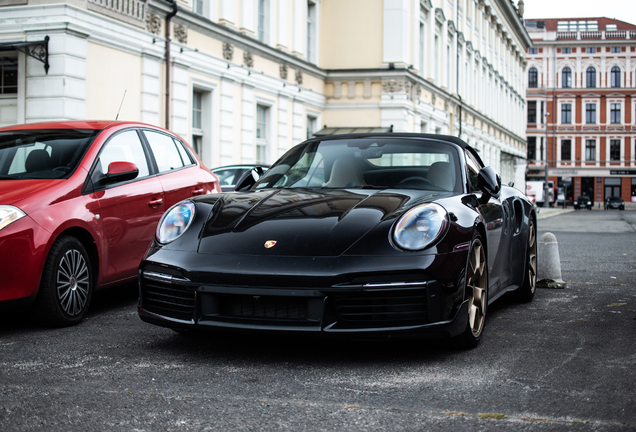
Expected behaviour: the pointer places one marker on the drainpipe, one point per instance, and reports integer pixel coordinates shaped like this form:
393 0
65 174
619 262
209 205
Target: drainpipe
168 18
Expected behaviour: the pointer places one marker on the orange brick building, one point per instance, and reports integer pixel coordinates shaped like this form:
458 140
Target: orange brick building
581 81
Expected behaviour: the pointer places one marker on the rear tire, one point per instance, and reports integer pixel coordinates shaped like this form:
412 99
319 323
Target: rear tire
477 295
66 287
525 293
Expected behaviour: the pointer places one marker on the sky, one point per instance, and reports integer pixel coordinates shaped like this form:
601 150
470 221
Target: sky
624 10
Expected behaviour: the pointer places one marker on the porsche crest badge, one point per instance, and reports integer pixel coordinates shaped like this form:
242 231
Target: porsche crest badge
270 244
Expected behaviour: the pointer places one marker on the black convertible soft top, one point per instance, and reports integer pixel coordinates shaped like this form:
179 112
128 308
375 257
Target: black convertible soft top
452 139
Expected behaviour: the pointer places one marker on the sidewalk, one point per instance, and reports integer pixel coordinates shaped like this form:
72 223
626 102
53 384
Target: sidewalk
546 212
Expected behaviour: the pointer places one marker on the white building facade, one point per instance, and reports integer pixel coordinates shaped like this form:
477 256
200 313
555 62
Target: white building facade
244 80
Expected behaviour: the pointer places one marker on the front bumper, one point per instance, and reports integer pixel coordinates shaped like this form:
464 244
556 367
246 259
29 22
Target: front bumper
375 300
22 251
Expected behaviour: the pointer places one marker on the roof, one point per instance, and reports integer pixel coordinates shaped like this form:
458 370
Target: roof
72 124
551 24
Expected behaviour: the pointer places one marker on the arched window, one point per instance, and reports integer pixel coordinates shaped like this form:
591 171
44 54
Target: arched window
566 77
616 76
591 77
533 78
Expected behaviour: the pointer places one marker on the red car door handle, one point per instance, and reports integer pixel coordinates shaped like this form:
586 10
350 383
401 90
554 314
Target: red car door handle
155 202
196 192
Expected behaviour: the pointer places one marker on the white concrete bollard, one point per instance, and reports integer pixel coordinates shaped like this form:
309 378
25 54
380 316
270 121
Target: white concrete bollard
549 263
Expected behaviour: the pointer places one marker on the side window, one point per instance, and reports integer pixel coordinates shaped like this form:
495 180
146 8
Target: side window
169 154
473 172
125 147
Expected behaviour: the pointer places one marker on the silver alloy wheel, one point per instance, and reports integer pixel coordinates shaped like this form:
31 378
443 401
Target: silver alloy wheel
476 284
72 282
532 258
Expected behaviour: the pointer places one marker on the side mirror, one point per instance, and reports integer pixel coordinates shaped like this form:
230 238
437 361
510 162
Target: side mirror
249 178
489 182
121 171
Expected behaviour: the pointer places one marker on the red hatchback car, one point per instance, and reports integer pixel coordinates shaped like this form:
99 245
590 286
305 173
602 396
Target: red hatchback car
79 205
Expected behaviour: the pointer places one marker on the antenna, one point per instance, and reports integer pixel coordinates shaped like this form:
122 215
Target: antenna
122 102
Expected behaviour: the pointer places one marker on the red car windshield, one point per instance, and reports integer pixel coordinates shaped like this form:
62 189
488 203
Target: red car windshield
42 154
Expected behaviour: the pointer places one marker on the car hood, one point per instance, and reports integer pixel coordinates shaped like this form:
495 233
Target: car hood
300 222
12 191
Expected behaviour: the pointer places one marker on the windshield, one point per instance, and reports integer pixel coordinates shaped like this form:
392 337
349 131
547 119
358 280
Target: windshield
42 154
369 163
583 199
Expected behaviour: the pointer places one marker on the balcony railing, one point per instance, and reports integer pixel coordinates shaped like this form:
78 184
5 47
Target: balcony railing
135 9
613 34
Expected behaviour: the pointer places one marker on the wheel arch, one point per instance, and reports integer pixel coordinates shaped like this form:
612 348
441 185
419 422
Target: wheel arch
89 244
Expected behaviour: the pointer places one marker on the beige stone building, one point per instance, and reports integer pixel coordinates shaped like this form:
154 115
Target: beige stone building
244 80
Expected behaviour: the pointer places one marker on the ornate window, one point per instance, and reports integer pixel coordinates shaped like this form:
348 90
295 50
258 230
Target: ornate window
615 113
590 113
311 32
566 113
590 150
532 112
8 75
615 150
533 78
532 148
262 130
566 77
590 77
616 76
566 150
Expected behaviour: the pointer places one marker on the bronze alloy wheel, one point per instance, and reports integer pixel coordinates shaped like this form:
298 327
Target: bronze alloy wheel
476 296
531 271
477 288
525 293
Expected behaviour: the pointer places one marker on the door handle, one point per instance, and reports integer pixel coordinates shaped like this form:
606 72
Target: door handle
154 203
197 192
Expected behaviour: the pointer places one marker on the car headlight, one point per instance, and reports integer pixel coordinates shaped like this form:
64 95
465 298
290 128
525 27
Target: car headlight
420 227
175 222
9 214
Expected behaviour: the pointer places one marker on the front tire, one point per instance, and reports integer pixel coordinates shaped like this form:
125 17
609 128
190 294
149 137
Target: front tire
476 294
66 287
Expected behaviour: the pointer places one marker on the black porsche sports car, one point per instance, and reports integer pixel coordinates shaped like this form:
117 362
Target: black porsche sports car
370 234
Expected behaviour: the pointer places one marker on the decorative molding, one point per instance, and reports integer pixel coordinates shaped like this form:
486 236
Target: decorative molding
396 86
181 33
439 16
469 47
282 71
153 23
228 51
248 59
460 38
426 4
299 77
451 27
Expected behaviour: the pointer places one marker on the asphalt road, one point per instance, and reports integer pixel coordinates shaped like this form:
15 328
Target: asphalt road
566 361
